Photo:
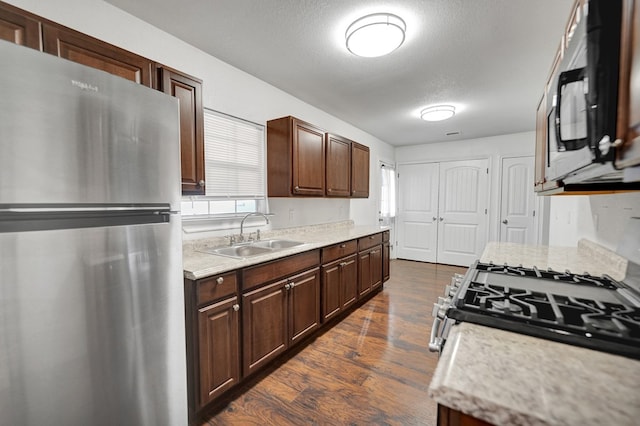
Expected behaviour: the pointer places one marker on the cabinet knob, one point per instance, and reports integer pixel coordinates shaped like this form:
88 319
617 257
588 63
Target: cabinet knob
343 245
372 237
236 307
201 183
441 219
287 286
434 218
220 280
343 264
505 221
296 188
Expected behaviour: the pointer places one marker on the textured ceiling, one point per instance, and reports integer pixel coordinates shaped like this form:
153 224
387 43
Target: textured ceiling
489 58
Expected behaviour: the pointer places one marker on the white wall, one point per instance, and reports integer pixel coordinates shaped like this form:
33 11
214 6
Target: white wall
599 218
225 89
494 148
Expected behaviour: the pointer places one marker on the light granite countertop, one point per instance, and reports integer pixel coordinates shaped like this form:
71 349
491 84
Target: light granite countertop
508 378
197 264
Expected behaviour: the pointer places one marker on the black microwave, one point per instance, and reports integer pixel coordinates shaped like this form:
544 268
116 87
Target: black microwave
583 107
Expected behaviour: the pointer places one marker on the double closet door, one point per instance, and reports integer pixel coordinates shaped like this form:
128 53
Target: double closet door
442 215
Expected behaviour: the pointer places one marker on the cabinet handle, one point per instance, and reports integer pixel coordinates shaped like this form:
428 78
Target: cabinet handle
343 264
201 183
220 280
236 307
372 237
374 251
296 188
343 245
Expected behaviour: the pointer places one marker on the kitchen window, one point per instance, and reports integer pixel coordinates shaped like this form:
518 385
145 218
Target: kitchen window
234 169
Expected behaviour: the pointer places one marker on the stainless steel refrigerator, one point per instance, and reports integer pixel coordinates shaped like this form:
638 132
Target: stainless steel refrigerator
91 300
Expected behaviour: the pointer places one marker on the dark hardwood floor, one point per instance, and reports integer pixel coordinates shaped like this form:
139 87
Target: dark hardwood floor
372 368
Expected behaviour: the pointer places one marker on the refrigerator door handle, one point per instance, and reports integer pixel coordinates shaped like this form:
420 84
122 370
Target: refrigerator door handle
160 208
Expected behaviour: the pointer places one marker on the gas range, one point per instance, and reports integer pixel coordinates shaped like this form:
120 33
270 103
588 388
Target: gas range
596 312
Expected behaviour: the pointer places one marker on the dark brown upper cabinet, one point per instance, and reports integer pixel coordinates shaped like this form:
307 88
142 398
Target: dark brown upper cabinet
295 158
188 90
338 171
81 48
18 27
359 170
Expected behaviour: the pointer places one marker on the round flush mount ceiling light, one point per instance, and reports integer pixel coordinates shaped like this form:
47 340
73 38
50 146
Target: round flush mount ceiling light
438 113
375 35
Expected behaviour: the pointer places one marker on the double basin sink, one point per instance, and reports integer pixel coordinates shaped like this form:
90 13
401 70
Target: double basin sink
255 248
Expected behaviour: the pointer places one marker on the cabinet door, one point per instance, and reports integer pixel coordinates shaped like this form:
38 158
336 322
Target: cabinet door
364 273
338 166
18 28
304 304
331 289
74 46
376 267
541 145
308 160
219 344
349 280
264 325
188 90
359 170
386 260
628 127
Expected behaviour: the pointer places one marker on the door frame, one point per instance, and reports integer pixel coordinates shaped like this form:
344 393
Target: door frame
541 205
489 195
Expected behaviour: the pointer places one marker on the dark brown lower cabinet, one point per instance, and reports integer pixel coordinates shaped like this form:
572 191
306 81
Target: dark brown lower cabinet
264 325
339 285
240 321
386 261
277 315
369 270
219 348
450 417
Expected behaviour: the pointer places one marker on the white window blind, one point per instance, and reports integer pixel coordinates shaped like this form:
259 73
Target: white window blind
234 157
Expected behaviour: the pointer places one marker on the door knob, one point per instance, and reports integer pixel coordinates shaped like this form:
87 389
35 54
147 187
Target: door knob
505 221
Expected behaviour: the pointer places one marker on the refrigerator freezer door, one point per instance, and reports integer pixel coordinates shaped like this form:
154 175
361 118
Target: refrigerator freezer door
92 326
70 134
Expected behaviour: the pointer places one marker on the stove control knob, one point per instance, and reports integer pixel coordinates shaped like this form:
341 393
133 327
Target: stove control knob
434 311
442 312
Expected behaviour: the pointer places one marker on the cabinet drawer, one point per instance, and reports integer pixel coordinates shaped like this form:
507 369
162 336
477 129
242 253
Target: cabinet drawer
216 287
369 241
271 271
337 251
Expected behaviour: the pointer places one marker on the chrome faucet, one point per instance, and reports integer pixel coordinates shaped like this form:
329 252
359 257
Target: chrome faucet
241 237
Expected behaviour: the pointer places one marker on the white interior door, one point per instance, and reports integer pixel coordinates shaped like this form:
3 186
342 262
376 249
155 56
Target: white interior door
462 218
518 201
417 211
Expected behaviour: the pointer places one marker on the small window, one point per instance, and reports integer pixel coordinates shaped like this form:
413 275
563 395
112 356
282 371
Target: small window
234 168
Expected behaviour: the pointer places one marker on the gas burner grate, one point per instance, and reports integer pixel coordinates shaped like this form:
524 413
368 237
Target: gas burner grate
549 274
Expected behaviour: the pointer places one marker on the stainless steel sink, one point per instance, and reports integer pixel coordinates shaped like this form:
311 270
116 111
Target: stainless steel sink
256 248
277 244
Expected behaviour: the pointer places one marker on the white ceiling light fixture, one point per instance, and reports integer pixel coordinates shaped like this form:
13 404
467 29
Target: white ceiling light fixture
438 113
375 35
